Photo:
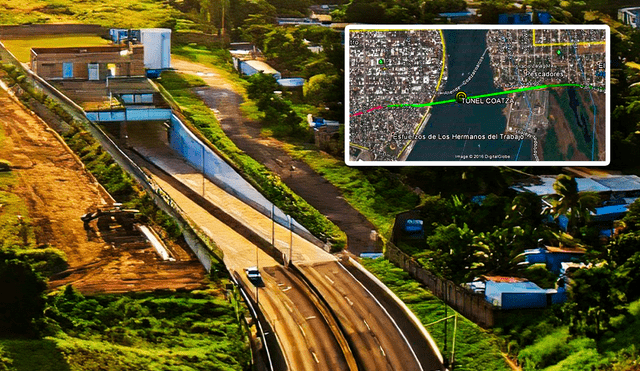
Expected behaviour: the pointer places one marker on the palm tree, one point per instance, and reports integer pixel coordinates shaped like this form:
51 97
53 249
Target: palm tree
576 206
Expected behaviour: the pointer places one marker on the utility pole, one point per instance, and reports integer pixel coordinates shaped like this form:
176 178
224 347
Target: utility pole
290 239
258 268
203 195
222 32
446 360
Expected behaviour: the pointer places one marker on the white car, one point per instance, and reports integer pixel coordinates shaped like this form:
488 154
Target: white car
253 274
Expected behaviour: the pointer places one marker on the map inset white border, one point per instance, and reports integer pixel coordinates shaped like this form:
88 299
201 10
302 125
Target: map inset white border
607 159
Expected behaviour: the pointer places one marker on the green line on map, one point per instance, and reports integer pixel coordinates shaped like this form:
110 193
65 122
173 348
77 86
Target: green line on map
492 94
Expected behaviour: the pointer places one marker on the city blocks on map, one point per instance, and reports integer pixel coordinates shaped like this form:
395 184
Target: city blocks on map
467 95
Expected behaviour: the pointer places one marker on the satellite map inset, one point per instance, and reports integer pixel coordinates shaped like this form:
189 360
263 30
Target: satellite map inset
419 96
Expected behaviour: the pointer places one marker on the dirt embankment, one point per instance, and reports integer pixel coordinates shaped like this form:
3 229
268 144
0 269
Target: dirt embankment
57 191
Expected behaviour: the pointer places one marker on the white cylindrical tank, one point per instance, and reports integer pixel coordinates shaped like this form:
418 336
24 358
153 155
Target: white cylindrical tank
157 47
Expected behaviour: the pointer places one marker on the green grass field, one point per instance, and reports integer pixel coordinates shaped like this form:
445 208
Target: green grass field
21 48
116 13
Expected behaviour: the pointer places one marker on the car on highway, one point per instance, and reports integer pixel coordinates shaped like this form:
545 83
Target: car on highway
253 274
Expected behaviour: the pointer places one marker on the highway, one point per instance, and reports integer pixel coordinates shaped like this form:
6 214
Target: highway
307 338
292 315
378 343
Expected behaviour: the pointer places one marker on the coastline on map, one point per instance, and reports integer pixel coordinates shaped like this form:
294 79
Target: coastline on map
403 156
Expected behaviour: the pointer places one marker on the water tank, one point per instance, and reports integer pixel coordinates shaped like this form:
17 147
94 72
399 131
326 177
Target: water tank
157 47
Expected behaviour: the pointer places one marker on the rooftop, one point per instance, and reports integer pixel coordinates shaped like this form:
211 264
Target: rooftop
261 66
543 185
504 279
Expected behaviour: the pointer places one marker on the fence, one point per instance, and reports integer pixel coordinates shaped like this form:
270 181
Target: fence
472 306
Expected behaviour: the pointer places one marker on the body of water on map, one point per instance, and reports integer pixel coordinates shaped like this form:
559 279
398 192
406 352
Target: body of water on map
464 49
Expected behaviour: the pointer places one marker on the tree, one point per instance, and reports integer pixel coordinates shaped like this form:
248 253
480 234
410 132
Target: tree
576 206
498 252
21 294
453 247
632 218
261 88
316 89
595 298
526 209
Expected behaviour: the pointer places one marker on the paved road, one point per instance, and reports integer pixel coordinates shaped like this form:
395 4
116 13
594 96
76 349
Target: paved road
316 190
376 341
306 338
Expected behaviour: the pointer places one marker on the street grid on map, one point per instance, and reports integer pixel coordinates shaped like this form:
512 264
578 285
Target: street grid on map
396 76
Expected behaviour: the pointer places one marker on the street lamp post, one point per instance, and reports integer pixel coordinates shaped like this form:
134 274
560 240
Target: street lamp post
273 225
290 240
203 195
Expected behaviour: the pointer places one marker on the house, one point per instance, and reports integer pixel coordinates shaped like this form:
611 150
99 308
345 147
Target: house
88 63
553 257
516 293
251 67
616 192
459 17
541 17
630 16
515 18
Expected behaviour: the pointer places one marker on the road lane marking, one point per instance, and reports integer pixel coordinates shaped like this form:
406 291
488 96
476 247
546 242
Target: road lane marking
302 330
366 324
349 300
329 279
315 357
382 350
288 307
310 317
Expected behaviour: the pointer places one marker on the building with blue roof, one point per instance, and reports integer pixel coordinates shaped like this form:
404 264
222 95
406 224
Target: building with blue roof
459 17
616 192
518 293
552 257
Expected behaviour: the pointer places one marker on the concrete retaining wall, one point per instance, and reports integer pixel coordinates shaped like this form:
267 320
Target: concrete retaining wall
224 176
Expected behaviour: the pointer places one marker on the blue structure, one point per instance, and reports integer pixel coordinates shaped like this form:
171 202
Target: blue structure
552 257
518 293
618 192
120 35
543 17
459 16
524 18
630 16
293 82
130 114
515 18
413 226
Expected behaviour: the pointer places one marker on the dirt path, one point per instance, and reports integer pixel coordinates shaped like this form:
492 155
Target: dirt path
316 190
57 191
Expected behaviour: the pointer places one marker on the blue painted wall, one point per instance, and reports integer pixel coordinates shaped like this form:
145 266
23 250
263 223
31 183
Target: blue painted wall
223 175
132 114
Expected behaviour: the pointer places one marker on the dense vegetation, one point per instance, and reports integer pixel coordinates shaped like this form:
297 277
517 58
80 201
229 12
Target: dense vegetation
150 331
